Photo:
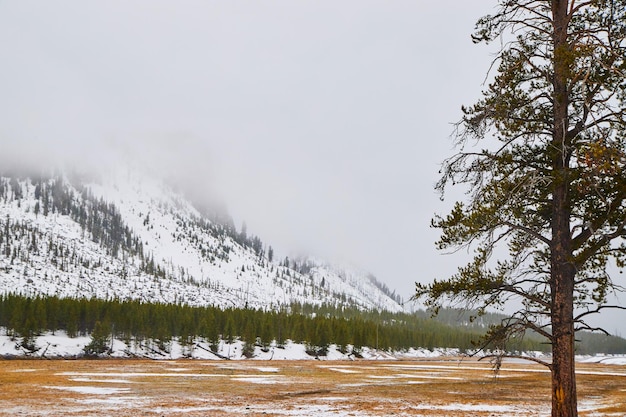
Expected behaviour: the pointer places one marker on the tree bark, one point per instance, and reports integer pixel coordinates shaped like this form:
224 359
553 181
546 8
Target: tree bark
564 398
562 272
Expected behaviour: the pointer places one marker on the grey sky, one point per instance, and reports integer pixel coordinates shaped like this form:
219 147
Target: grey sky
320 123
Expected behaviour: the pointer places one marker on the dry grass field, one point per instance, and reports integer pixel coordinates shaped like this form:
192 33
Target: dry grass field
294 388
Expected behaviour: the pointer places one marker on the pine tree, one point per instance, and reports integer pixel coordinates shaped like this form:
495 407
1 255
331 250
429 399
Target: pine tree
270 254
100 339
547 179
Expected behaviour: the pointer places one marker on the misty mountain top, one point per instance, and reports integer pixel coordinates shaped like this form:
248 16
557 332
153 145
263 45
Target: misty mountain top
128 235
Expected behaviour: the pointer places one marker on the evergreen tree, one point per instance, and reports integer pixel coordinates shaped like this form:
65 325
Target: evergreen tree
546 179
270 254
100 339
243 235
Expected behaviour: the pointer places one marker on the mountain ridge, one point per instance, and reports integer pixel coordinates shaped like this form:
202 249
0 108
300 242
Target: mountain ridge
129 236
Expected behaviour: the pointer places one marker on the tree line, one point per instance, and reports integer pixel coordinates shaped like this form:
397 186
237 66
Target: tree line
131 321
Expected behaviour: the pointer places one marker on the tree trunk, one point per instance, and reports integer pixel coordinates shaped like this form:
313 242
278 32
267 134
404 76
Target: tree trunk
564 400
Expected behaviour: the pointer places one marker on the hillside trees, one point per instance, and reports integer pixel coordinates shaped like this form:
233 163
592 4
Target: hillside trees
542 158
25 318
99 219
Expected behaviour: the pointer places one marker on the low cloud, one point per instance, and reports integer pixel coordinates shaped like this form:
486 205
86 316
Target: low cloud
319 124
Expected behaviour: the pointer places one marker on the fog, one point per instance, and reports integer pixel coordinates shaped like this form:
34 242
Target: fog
321 124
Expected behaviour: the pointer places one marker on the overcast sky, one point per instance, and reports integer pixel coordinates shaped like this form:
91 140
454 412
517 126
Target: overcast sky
321 124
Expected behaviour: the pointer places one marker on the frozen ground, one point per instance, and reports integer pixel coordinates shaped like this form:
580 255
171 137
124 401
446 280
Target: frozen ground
193 388
59 345
284 380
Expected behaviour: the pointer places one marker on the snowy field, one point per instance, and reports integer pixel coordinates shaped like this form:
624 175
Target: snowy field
59 345
283 380
428 387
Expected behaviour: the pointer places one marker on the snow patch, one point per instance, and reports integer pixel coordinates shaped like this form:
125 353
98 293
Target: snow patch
255 379
91 390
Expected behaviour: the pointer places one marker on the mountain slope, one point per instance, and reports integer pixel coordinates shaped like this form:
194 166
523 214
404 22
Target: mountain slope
129 236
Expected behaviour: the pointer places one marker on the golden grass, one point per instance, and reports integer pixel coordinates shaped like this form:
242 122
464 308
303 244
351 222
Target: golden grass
298 388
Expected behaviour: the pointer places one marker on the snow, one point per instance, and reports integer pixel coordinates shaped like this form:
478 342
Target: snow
255 379
606 359
417 353
60 345
169 227
137 374
112 400
269 369
343 370
91 390
130 389
482 408
104 381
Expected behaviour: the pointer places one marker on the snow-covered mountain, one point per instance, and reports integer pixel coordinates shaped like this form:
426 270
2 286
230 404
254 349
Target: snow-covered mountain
129 236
